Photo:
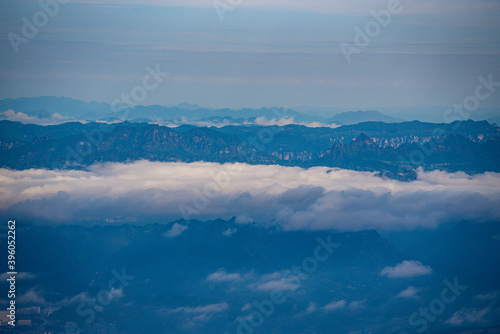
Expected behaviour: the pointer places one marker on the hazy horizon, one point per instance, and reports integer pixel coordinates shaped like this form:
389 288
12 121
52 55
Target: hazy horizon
260 54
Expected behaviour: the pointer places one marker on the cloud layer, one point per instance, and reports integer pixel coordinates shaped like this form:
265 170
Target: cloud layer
406 269
11 115
318 198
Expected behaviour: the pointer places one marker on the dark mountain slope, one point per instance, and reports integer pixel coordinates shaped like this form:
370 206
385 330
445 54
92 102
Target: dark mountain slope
389 148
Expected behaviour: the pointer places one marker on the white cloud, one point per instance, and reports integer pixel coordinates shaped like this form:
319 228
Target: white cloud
115 293
206 309
406 269
262 121
230 231
288 121
19 276
176 230
276 281
317 198
335 305
222 276
199 314
277 285
79 298
468 316
311 308
492 295
410 292
11 115
32 296
246 307
356 305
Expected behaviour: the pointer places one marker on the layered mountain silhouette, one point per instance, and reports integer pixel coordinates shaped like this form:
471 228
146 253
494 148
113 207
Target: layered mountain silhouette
355 117
368 146
204 267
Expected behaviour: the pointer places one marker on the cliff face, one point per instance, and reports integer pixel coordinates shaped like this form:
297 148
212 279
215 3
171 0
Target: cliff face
367 146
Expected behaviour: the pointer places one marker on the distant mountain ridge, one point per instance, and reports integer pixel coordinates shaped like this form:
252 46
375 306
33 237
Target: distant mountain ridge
56 110
472 147
355 117
46 106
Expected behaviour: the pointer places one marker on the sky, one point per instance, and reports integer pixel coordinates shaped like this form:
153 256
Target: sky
252 53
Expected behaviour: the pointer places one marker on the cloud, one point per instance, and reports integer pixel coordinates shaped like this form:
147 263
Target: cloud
336 305
19 276
356 305
406 269
195 315
277 285
230 231
468 316
79 298
246 307
198 123
311 308
222 276
207 309
11 115
294 198
176 230
115 293
288 121
410 292
276 281
492 295
262 121
32 296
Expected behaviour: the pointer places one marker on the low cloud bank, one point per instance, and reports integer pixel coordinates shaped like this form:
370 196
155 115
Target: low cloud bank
261 121
318 198
407 269
11 115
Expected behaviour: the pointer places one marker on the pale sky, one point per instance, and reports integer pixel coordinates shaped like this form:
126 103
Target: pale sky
264 53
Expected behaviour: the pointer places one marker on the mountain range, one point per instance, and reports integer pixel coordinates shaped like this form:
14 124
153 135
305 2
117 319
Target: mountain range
389 148
108 259
207 276
55 110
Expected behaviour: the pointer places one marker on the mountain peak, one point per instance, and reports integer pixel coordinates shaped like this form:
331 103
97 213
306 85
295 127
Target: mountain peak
364 138
188 106
354 117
